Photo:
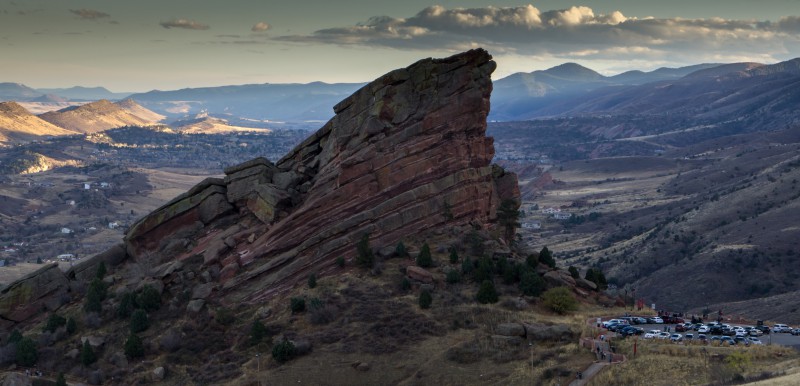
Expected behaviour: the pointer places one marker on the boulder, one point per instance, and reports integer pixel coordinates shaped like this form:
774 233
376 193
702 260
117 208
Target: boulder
15 379
510 329
94 340
202 291
361 366
302 346
503 340
558 278
26 297
419 274
195 306
159 373
586 284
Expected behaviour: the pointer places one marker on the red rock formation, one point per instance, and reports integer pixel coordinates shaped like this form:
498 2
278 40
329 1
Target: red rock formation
403 155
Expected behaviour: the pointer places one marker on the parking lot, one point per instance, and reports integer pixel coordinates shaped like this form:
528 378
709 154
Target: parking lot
779 338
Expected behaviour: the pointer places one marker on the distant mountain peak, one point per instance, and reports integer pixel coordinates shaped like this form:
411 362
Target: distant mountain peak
572 70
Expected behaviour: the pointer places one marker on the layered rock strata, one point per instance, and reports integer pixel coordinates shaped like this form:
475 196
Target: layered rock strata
404 155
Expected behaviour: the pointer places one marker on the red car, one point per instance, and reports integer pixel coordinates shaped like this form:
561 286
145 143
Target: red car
681 328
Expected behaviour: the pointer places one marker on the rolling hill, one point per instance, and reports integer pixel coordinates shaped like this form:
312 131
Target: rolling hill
99 116
19 125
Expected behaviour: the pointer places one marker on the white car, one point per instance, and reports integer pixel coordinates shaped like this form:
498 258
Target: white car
781 328
703 329
612 321
663 335
652 334
656 320
676 338
754 340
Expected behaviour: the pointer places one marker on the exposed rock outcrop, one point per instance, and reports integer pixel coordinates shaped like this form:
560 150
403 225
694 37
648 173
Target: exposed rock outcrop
405 155
398 153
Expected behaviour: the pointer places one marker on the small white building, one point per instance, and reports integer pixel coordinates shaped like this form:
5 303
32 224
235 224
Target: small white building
551 210
532 225
113 225
87 186
66 231
562 216
105 185
71 202
66 257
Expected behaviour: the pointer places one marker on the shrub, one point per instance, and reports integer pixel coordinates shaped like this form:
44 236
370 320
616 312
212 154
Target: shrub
574 272
484 270
149 299
71 326
400 250
101 270
530 283
560 300
257 332
453 276
87 354
425 299
424 258
364 256
466 266
453 255
95 296
596 276
283 351
320 313
297 305
532 260
738 361
26 352
340 261
224 316
134 347
60 381
139 321
54 322
312 280
405 285
511 273
14 337
487 293
126 305
546 257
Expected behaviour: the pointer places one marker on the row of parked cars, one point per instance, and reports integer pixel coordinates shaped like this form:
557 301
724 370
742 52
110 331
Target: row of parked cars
702 338
624 327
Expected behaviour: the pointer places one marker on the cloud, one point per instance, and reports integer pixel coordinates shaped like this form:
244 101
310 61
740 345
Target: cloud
89 14
260 27
574 32
185 24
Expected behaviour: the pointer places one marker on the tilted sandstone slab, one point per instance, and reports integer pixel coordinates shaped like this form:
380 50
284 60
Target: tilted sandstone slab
405 154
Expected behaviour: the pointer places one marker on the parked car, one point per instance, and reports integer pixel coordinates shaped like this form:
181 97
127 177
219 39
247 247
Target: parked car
703 329
796 331
652 334
655 320
640 320
755 332
688 337
727 340
676 338
702 338
754 340
663 335
680 328
742 340
764 329
612 321
781 328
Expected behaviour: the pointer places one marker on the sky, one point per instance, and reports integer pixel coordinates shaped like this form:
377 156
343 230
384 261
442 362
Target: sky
133 46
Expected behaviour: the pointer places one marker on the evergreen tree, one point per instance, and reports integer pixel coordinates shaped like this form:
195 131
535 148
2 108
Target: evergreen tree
453 255
546 257
14 337
424 258
127 304
487 293
101 271
425 300
574 272
312 280
400 250
71 326
134 347
149 299
508 218
27 355
139 321
365 257
95 295
530 283
283 351
54 322
87 354
61 381
257 332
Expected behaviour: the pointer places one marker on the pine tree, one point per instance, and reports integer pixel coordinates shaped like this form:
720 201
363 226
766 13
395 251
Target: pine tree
139 321
546 257
87 354
425 299
364 256
134 347
424 258
487 293
453 255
